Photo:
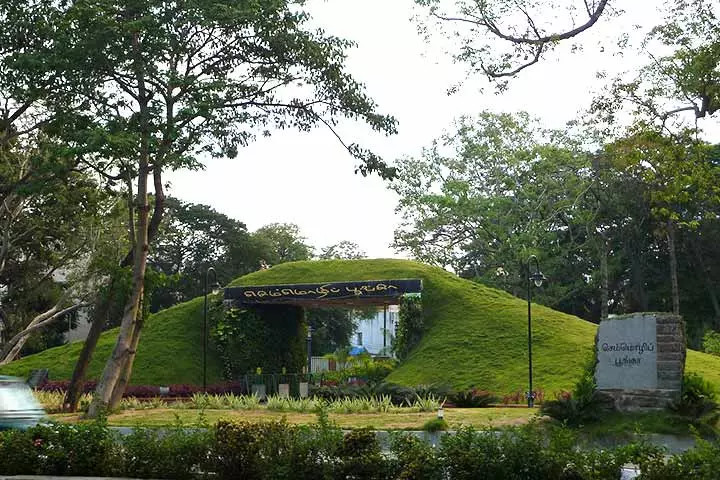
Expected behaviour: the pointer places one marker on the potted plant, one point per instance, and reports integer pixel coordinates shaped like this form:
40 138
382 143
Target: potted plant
258 387
284 385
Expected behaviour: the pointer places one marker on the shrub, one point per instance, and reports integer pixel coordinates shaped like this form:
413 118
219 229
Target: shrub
331 393
584 405
472 398
435 425
361 457
18 453
415 459
175 453
438 390
60 449
711 342
399 394
142 391
361 370
698 401
276 450
699 463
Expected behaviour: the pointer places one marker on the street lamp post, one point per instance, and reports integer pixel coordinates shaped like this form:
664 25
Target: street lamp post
309 349
534 277
215 290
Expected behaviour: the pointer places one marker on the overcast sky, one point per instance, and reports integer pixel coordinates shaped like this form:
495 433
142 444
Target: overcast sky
308 179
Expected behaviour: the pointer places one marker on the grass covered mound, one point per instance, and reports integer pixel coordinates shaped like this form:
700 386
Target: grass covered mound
170 352
475 335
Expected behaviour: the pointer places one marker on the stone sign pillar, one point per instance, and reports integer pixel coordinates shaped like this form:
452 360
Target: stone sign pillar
641 360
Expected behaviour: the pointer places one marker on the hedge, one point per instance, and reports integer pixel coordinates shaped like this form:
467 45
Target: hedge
277 450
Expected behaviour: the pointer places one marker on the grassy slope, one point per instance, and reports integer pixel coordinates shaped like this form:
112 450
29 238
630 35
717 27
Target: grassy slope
476 335
170 351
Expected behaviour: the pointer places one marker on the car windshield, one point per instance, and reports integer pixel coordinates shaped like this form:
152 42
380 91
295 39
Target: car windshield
16 396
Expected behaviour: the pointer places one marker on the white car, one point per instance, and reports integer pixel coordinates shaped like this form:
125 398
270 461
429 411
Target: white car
18 406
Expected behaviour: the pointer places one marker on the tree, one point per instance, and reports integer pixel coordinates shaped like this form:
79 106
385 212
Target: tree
281 243
53 229
190 239
344 250
183 78
502 38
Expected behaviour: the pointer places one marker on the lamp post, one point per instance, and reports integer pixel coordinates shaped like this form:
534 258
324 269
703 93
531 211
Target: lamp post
215 290
534 277
309 349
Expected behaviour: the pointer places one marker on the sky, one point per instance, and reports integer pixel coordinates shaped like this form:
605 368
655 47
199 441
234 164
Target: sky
308 178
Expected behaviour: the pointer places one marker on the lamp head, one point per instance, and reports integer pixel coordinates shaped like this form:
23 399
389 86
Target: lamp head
216 288
538 278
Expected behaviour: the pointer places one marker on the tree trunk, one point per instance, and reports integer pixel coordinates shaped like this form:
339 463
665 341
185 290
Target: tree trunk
11 349
673 267
115 363
124 379
604 280
123 347
77 383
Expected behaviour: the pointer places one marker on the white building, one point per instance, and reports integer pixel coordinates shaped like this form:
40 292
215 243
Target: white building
376 334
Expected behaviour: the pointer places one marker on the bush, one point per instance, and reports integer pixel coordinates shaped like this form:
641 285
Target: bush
437 390
415 459
472 398
175 453
435 425
361 370
361 457
584 405
711 342
337 392
698 401
699 463
400 395
60 449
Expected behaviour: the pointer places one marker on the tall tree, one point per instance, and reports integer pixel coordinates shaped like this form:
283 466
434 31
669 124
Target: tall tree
282 242
183 78
192 238
344 250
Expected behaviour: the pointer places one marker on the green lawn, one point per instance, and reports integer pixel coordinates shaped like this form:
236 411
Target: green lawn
477 417
475 335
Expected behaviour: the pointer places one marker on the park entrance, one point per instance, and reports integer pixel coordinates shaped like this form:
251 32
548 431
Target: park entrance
265 330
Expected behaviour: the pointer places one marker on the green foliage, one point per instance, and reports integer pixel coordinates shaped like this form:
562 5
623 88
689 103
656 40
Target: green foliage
711 342
271 336
471 398
475 336
584 405
61 450
411 327
361 456
176 452
701 462
192 237
415 458
282 243
344 250
332 329
698 401
500 187
278 451
370 370
435 425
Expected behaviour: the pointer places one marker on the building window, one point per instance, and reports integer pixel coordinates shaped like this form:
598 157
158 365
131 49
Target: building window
359 338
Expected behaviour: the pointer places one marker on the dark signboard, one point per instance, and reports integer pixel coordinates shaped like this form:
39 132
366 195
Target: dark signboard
319 292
